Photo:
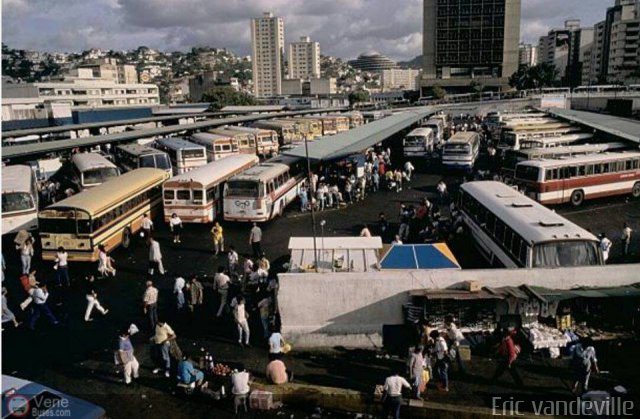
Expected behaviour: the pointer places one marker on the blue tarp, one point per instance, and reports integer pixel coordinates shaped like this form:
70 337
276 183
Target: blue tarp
419 256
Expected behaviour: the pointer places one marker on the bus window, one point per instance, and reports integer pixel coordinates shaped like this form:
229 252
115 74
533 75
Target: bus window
16 201
184 195
211 194
242 188
197 195
527 173
582 171
169 194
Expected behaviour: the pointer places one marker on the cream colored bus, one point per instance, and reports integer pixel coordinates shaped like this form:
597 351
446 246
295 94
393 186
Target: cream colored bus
109 214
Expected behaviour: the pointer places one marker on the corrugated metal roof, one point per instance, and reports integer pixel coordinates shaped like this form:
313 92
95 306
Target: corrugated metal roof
627 129
360 138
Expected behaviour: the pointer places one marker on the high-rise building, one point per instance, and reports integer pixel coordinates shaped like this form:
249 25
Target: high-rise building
565 49
304 59
399 79
527 55
621 55
465 41
592 57
373 62
267 38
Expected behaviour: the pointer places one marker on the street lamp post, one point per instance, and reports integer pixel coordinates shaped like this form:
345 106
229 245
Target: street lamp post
313 214
322 224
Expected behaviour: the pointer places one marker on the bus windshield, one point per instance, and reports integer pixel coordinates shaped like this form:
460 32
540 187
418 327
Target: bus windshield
192 153
414 140
457 149
243 188
97 176
16 201
525 172
565 253
159 161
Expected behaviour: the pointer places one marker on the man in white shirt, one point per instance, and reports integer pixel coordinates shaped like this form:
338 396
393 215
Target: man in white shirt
626 239
408 169
147 226
150 301
40 307
240 316
240 389
605 246
232 260
454 337
442 360
255 239
62 266
393 386
276 342
221 284
155 257
178 290
397 240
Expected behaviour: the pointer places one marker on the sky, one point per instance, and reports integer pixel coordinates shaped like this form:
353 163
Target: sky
344 28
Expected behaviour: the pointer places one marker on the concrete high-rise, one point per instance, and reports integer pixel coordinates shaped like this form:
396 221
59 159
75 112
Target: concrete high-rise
468 40
621 54
267 39
304 59
565 49
527 55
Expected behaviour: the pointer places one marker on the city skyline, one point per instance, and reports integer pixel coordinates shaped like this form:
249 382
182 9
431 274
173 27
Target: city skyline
344 28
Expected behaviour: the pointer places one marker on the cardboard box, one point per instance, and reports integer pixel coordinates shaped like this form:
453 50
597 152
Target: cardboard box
472 286
465 352
261 400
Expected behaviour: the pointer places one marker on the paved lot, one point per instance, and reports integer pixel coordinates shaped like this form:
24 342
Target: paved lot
77 357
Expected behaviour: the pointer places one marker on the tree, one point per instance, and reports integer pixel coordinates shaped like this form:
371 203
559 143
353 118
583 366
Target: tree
536 77
476 87
437 92
221 96
358 96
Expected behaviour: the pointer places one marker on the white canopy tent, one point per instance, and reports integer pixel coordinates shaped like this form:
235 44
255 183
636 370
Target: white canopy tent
335 254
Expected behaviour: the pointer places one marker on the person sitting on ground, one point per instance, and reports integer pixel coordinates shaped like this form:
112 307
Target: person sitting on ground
277 372
187 374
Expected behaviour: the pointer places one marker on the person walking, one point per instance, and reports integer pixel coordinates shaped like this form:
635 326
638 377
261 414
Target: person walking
221 284
155 257
7 314
196 293
454 338
442 360
408 169
605 246
393 386
264 264
178 290
583 363
218 238
304 199
507 354
397 177
175 225
150 301
405 218
105 262
147 226
40 295
26 253
92 300
441 187
375 182
164 334
130 364
264 307
255 239
240 316
62 267
626 239
416 367
232 261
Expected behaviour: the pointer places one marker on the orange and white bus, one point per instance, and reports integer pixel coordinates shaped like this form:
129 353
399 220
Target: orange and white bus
246 141
196 196
217 146
109 214
343 123
310 127
575 179
262 192
266 139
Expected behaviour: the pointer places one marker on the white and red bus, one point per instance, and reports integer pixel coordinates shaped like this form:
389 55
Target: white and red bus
262 192
196 196
575 179
217 146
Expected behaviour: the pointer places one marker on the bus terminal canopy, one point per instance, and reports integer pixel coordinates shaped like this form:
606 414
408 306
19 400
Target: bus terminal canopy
623 128
335 254
419 256
360 138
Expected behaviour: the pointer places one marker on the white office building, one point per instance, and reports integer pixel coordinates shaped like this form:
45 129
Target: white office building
267 38
304 59
399 79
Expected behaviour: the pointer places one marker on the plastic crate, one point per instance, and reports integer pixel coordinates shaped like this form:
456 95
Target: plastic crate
261 400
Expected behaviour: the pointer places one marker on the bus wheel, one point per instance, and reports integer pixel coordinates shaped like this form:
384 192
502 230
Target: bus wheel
635 192
577 197
126 238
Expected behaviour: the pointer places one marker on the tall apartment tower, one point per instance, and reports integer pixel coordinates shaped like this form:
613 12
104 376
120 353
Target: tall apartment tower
565 48
267 39
621 55
304 59
470 40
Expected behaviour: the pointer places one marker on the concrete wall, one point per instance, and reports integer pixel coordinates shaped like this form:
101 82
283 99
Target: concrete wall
349 309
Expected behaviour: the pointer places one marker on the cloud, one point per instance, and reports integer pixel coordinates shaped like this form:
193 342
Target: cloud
344 28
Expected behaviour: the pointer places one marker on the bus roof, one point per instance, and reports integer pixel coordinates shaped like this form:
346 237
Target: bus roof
16 178
262 172
113 191
432 121
214 172
534 222
585 159
539 127
88 161
208 137
254 131
420 131
463 137
569 149
567 138
274 122
177 143
138 149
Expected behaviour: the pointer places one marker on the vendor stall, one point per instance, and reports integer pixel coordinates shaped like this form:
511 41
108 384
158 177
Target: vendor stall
334 254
